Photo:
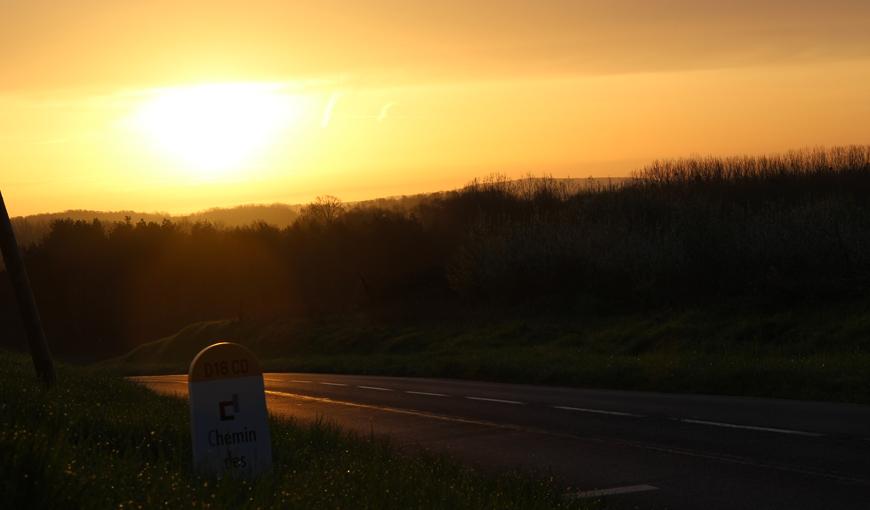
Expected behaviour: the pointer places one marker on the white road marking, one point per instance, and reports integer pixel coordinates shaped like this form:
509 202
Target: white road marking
597 411
333 383
498 400
752 427
728 459
426 393
422 414
376 388
298 381
628 489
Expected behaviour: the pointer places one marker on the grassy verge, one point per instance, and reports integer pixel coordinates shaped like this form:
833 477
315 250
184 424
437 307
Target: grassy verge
818 352
97 441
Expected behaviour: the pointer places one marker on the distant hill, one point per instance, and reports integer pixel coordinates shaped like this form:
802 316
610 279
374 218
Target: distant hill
31 229
280 215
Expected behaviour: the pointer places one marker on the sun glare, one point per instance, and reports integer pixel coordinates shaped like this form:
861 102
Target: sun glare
212 130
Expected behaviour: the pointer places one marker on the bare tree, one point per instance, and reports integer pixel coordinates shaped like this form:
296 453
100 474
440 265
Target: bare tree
324 210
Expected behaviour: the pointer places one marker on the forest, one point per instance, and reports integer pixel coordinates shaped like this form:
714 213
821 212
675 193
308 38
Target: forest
779 229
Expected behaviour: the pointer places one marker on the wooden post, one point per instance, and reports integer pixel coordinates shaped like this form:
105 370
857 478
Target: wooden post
26 303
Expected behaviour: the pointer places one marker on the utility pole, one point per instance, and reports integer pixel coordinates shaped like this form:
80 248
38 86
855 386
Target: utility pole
26 303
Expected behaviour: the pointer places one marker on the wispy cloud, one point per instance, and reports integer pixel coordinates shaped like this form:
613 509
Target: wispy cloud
327 111
385 110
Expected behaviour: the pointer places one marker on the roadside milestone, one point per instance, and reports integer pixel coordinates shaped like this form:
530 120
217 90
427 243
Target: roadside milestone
228 419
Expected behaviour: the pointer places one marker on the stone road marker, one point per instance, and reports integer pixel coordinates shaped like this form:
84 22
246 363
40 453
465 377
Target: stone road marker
228 419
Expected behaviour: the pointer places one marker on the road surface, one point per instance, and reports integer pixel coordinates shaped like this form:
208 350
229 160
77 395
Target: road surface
636 449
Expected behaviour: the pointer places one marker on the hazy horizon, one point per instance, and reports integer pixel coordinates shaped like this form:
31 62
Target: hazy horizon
300 203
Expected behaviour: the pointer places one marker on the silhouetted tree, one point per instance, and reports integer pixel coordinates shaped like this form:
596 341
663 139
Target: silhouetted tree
796 226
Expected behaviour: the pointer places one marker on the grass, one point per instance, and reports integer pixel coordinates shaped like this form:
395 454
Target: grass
816 352
97 441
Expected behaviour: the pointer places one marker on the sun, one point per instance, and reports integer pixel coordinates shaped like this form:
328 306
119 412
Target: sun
213 130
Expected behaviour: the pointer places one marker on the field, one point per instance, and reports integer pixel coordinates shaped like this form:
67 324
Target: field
816 352
97 441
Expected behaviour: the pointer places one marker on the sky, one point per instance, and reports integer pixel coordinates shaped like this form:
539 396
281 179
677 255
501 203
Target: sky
179 106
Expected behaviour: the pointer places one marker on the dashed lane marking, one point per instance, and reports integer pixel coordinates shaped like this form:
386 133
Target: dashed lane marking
751 427
333 383
628 489
426 393
597 411
376 388
616 442
497 400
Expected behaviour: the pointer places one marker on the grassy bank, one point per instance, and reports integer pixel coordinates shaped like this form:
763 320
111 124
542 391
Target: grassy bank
96 441
811 351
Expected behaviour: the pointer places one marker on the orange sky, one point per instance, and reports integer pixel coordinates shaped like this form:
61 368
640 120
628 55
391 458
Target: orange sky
377 98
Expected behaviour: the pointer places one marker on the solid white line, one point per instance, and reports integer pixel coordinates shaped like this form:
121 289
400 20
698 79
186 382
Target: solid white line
425 393
751 427
333 383
376 388
500 401
597 411
628 489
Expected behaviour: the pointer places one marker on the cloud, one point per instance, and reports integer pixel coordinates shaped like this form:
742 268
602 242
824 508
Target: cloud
60 44
327 111
385 110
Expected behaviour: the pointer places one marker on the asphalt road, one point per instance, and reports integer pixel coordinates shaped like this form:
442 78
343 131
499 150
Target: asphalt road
635 449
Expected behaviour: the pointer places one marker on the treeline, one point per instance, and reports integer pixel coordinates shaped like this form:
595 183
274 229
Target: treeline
793 226
32 229
790 226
